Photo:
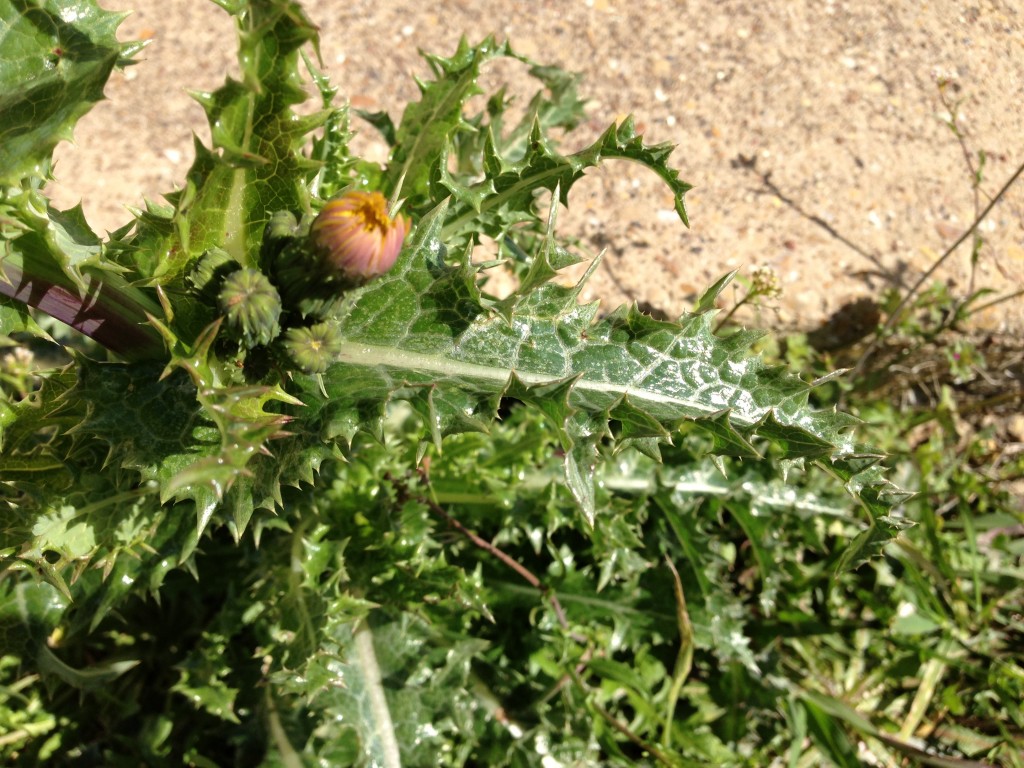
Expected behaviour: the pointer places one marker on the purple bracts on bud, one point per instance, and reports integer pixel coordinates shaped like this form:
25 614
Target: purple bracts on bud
356 236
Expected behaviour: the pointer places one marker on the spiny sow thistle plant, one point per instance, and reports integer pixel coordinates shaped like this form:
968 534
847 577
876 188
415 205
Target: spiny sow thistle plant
301 482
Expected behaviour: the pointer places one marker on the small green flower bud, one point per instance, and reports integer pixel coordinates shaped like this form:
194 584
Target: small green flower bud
252 307
313 348
281 230
356 237
282 225
208 273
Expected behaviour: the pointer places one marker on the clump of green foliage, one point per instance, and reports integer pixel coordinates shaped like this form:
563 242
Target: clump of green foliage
483 532
942 397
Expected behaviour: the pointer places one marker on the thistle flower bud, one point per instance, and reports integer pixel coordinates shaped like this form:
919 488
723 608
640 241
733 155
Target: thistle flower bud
313 348
206 277
252 307
280 231
356 237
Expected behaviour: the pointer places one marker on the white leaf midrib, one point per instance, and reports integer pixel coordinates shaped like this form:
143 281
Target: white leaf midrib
373 356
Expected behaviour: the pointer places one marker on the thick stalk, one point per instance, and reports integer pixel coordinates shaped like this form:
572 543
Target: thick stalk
109 311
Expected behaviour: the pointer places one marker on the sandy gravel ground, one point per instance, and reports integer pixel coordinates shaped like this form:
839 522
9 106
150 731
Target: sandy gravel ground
813 130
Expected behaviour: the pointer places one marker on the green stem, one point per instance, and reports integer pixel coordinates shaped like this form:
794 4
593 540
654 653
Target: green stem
684 656
285 751
997 301
898 312
726 317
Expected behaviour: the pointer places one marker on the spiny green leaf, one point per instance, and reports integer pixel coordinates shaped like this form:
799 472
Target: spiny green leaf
708 300
435 133
256 165
424 325
879 532
505 197
405 693
54 62
15 318
429 125
209 468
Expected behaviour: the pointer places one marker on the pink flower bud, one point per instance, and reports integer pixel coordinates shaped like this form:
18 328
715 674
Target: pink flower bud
357 237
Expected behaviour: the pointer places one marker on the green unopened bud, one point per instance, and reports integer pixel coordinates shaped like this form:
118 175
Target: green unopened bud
356 237
208 273
313 348
252 307
281 226
281 230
